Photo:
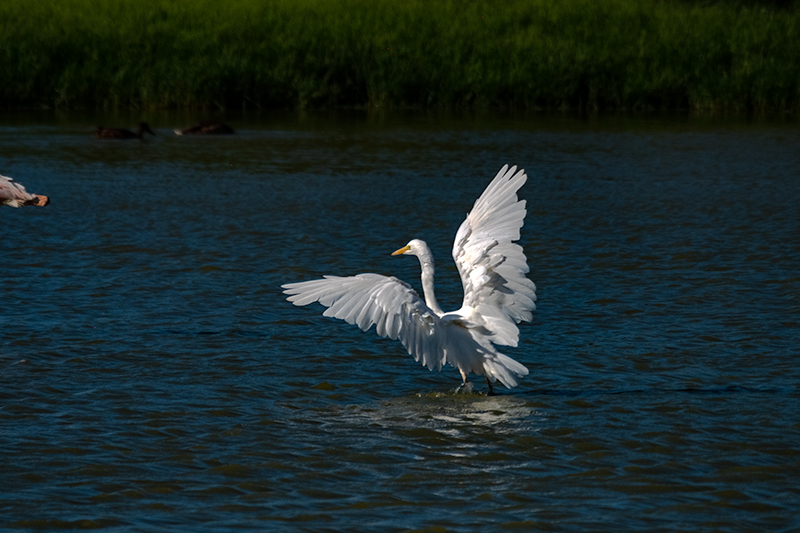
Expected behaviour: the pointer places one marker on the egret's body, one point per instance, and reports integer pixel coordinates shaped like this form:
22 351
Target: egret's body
15 195
497 295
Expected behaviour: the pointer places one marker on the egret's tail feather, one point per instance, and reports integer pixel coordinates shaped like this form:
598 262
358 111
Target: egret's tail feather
500 367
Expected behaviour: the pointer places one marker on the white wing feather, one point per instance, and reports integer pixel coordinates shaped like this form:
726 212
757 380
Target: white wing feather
497 294
12 193
368 300
398 312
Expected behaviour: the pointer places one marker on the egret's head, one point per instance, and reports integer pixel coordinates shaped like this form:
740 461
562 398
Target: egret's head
414 247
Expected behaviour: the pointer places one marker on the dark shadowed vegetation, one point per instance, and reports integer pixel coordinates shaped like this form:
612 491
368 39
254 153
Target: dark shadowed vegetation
607 54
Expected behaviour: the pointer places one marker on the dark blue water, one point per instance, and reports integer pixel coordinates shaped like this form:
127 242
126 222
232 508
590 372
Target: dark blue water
155 379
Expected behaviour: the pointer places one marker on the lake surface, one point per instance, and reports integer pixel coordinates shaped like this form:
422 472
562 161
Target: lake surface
155 379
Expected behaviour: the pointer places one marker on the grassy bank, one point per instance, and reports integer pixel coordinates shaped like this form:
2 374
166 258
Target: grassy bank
311 53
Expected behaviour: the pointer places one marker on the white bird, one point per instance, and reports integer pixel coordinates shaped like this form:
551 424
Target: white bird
15 195
497 294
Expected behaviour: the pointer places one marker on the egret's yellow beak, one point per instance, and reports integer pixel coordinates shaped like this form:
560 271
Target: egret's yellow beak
402 250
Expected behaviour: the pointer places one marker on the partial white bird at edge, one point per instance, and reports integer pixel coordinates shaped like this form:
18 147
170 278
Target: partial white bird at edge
14 194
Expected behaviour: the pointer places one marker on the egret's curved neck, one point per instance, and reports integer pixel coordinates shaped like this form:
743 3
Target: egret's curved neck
426 262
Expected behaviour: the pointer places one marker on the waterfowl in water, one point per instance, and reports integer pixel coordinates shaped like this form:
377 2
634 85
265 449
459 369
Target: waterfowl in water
118 133
15 195
206 128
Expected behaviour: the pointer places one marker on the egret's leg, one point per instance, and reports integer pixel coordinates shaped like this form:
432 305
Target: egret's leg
491 389
464 387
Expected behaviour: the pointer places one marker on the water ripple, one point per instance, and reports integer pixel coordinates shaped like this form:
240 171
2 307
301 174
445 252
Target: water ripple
154 377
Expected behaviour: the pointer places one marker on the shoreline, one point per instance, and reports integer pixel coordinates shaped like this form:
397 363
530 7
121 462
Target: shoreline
536 55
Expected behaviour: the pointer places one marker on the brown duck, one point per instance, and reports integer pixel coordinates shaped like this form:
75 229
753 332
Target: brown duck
206 128
15 195
118 133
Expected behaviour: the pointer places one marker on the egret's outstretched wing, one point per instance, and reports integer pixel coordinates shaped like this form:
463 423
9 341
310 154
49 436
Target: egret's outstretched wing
368 300
497 295
12 193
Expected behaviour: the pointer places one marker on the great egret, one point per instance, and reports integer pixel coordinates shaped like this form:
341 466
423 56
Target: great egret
206 128
118 133
15 195
497 295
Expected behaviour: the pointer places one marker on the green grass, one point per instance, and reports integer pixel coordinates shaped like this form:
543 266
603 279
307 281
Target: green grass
596 54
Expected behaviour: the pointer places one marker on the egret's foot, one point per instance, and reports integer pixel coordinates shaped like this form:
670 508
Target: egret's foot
464 388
